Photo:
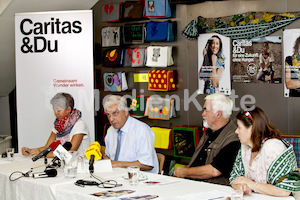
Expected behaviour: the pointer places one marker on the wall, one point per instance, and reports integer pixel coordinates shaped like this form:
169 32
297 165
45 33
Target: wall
282 111
5 116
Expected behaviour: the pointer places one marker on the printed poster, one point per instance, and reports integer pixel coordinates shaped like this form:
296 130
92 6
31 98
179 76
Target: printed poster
54 53
257 60
291 49
214 64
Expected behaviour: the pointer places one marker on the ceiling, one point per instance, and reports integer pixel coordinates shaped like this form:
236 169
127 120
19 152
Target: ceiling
8 8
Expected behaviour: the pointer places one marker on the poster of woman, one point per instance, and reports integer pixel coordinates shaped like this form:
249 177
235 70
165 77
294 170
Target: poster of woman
291 48
214 64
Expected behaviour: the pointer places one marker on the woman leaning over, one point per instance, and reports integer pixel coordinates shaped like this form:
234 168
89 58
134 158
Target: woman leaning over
264 157
68 127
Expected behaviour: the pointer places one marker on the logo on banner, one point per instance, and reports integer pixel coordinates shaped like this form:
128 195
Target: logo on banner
39 30
251 69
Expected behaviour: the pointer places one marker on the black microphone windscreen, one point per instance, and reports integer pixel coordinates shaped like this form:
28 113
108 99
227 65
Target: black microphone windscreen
67 146
51 172
45 174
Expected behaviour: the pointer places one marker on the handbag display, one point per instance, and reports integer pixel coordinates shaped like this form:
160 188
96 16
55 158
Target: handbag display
134 57
160 31
133 10
159 56
161 80
185 141
110 36
133 33
128 57
163 138
161 108
115 82
113 57
138 107
157 9
111 12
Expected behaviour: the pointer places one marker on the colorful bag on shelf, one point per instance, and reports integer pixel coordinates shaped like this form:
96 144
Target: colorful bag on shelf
185 141
160 31
161 80
134 57
157 9
115 82
111 12
159 56
133 10
113 57
128 57
161 108
133 33
110 36
163 138
138 107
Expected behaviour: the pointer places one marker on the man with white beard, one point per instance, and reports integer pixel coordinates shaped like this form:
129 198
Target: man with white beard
215 154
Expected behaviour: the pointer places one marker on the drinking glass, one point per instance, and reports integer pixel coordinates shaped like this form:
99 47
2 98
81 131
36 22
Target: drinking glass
133 175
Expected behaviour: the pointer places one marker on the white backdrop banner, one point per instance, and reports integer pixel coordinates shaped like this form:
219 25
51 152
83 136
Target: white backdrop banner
54 53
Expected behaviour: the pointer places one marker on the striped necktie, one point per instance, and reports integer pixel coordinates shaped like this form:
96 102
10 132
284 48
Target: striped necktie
118 145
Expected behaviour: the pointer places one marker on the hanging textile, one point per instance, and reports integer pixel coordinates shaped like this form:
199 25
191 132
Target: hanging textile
241 26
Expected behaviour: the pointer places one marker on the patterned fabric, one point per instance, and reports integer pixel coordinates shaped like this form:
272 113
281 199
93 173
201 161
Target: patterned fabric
65 125
295 141
242 26
296 59
281 166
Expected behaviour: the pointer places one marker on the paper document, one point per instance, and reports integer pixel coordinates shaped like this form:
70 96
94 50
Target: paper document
99 166
210 195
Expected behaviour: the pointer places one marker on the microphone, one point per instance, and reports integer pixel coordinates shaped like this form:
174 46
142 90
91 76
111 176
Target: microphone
67 146
91 164
93 153
51 147
45 174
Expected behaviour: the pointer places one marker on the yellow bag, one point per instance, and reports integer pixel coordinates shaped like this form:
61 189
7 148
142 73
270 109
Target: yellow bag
163 138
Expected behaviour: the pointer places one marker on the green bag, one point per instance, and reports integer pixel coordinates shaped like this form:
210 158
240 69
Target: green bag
138 107
185 141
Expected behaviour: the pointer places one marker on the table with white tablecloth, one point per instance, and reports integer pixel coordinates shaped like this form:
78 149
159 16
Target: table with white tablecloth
59 187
